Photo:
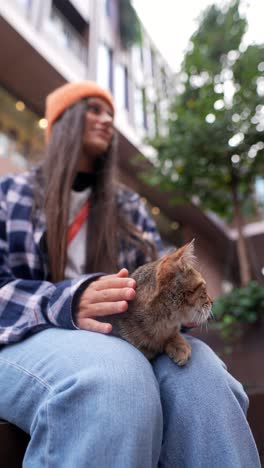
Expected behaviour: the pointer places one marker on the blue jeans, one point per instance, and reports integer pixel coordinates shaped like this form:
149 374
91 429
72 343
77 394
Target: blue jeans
90 400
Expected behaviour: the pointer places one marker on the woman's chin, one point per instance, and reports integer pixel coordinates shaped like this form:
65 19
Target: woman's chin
96 148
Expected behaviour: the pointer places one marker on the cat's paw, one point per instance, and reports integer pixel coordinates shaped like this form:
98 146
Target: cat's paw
179 355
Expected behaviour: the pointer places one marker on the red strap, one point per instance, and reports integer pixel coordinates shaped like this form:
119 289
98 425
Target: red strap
77 223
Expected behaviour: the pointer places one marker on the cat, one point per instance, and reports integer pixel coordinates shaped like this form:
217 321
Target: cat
170 292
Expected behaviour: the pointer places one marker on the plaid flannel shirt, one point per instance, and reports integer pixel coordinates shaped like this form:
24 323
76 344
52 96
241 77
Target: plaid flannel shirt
29 302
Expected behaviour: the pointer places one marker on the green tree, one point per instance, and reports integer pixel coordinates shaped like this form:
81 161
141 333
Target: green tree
214 149
129 25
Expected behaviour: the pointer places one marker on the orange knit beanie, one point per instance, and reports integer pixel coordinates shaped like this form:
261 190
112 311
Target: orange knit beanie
62 98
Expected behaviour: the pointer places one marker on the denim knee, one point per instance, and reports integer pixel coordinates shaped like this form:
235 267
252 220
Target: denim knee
114 399
208 405
202 381
121 380
85 397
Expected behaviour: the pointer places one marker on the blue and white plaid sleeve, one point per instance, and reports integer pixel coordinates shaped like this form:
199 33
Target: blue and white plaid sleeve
27 306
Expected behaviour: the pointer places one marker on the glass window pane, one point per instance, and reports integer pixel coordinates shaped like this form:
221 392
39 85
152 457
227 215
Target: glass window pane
140 109
121 86
105 67
21 136
65 35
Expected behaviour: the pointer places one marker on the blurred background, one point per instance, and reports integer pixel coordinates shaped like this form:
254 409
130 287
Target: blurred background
188 83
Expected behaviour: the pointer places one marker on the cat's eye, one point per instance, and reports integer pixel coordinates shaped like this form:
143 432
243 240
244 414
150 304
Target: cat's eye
200 285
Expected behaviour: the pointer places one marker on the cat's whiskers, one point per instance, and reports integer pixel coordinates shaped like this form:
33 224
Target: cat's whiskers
205 322
201 316
197 318
208 311
193 319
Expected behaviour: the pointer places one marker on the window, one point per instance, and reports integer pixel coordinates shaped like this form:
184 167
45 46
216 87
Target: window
144 100
126 90
164 83
137 59
24 4
141 52
153 62
111 10
105 67
107 7
156 118
153 120
140 109
66 36
21 137
121 87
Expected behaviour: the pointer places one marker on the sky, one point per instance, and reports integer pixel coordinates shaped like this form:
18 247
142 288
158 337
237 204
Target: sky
172 22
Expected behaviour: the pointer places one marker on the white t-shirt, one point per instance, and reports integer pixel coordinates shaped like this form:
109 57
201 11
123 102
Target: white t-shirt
76 252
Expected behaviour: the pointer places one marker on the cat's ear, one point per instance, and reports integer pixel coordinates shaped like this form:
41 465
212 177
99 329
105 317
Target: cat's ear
187 256
183 256
177 260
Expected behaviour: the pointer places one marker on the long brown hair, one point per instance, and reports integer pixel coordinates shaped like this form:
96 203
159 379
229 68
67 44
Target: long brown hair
58 172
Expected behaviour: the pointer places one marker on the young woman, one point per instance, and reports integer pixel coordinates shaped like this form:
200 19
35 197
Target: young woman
69 236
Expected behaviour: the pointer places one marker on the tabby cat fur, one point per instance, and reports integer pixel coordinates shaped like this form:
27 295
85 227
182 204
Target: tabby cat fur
170 293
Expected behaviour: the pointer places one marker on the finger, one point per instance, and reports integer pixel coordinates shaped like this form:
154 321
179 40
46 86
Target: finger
122 273
109 295
113 283
103 308
95 326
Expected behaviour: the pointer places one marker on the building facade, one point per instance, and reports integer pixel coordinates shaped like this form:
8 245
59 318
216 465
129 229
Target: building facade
56 41
48 43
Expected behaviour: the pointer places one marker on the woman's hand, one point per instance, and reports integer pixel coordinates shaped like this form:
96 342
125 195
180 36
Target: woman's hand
106 295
